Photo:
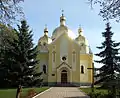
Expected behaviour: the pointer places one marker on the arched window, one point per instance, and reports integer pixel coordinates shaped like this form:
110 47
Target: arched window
74 54
44 69
82 69
44 44
40 43
54 56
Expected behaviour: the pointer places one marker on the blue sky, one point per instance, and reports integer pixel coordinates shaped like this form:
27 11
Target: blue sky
77 12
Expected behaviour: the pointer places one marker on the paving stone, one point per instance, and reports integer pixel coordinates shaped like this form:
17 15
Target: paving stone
63 92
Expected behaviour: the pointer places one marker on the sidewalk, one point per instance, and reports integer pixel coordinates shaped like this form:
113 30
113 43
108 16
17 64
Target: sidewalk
62 92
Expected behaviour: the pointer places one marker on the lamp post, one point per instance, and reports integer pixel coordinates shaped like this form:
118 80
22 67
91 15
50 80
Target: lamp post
92 86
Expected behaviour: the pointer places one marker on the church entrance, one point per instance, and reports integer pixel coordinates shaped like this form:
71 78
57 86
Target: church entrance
64 77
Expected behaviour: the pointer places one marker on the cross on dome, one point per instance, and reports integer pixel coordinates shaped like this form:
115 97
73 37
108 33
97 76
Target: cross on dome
62 12
62 19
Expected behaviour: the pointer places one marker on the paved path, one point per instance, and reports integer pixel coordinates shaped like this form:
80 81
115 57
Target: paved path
63 92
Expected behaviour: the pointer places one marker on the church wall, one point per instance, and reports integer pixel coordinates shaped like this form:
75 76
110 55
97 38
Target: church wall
75 66
52 66
86 61
84 76
43 57
64 47
50 70
90 66
70 48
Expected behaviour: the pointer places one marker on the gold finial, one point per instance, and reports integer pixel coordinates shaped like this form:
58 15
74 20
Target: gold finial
46 30
80 30
62 18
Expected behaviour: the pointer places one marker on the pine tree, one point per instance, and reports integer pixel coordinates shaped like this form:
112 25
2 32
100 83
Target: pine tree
23 58
6 33
110 58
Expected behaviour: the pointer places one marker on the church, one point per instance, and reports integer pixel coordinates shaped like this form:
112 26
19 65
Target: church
64 59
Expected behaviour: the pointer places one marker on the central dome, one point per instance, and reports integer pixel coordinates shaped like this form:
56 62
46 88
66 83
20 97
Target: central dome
62 29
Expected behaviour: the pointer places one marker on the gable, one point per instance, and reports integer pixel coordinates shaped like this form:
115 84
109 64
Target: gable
65 40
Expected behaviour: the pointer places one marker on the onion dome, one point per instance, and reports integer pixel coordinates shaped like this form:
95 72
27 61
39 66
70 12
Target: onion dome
81 39
45 39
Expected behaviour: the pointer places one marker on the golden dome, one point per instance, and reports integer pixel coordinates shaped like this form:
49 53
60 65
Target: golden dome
45 38
62 29
81 39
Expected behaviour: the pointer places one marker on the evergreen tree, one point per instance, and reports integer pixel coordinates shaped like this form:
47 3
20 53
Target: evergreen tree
110 58
6 33
23 58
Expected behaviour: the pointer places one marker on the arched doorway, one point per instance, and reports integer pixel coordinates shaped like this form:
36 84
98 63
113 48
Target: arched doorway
64 77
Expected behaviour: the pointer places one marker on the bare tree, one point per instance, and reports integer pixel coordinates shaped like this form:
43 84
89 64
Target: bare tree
109 9
10 10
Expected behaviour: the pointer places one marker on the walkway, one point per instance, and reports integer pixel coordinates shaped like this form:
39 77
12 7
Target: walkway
62 92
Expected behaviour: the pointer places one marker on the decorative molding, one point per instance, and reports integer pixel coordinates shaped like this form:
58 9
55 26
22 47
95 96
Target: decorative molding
74 60
64 63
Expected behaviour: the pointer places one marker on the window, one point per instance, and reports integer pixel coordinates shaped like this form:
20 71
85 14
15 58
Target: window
54 56
74 56
53 74
64 58
44 69
44 44
40 43
82 69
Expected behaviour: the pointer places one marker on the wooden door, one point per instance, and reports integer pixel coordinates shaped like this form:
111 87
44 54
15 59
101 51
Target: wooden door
64 76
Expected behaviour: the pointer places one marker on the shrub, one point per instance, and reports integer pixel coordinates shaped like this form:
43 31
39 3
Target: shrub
30 93
100 95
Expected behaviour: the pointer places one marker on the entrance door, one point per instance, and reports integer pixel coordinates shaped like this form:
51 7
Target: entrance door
64 76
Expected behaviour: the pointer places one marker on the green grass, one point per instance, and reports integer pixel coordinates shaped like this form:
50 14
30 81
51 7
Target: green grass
96 90
11 93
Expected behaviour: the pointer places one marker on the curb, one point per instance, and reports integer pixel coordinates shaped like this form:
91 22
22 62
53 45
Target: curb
42 92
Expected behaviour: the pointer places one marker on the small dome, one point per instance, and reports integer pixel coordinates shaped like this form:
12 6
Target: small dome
45 40
81 40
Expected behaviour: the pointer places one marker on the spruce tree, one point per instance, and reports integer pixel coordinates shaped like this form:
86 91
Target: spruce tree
109 58
6 33
23 58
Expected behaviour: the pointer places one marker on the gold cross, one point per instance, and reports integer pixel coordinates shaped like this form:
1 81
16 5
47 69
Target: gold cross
62 12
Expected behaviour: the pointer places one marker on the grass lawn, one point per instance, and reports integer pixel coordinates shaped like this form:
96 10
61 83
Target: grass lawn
96 90
11 93
101 93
